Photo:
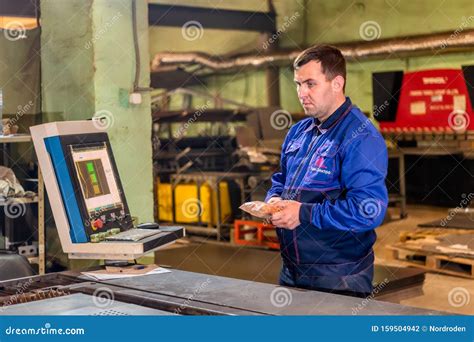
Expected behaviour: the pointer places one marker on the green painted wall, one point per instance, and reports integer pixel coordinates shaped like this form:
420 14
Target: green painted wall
20 82
67 67
19 72
336 21
247 87
130 131
324 22
88 64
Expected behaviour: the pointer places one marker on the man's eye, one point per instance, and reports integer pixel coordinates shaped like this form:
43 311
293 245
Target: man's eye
311 85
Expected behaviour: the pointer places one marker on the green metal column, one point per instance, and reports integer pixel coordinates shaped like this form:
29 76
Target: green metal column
88 68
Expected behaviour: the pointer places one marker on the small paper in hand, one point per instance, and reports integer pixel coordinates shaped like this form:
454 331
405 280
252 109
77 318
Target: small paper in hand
259 209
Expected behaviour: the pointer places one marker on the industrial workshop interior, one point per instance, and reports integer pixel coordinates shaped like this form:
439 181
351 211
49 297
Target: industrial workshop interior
243 158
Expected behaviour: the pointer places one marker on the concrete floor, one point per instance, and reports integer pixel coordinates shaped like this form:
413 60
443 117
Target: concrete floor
263 266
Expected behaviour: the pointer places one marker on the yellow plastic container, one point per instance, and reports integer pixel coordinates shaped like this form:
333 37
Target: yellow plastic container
189 208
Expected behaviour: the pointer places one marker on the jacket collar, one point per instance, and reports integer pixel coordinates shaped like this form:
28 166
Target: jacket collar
333 118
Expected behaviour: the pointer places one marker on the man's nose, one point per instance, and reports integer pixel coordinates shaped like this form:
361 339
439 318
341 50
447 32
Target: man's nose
302 93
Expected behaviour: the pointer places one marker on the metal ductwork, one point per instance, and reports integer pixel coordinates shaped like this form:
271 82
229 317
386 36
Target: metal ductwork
428 44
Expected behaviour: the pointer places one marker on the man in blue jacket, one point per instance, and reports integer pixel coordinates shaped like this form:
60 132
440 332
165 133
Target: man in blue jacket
331 187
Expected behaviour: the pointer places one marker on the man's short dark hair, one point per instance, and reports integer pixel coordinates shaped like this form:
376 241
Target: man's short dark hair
332 61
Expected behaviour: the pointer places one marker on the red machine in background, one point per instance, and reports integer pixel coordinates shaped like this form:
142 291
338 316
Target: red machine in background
427 119
430 101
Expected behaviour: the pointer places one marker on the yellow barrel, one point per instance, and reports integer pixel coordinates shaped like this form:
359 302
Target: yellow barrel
189 208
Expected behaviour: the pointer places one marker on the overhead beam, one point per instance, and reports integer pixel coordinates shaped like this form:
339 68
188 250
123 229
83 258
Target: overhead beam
174 78
212 18
19 8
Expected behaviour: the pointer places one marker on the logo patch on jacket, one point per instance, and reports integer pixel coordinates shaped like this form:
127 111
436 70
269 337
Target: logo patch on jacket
320 167
320 163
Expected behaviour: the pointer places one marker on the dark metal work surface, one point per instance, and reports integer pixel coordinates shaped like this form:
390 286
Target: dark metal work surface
188 293
177 16
264 265
177 304
81 304
21 286
258 297
388 279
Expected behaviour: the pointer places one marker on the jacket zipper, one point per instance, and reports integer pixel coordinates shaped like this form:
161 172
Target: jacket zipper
297 175
292 183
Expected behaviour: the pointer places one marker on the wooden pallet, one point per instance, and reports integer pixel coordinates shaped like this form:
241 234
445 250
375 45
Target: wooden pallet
430 233
439 263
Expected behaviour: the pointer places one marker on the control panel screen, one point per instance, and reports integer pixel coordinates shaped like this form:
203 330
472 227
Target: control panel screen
96 177
92 178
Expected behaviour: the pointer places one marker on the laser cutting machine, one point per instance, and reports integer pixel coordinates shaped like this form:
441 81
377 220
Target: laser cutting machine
87 199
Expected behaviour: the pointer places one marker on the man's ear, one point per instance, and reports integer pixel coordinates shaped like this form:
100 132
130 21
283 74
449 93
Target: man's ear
338 83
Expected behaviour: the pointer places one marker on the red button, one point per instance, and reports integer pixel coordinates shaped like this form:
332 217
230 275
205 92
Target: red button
98 224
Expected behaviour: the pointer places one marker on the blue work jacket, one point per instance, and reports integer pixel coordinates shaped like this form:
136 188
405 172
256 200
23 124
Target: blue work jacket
337 169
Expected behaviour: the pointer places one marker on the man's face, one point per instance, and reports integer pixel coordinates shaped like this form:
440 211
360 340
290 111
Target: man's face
316 93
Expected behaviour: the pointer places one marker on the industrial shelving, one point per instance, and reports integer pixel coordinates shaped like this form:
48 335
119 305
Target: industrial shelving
40 258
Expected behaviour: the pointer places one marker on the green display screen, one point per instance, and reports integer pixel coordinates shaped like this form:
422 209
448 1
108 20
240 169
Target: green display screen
92 178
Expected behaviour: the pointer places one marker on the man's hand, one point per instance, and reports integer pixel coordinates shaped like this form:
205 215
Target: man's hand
274 200
288 215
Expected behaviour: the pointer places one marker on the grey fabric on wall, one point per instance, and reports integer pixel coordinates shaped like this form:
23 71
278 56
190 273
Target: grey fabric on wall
20 73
